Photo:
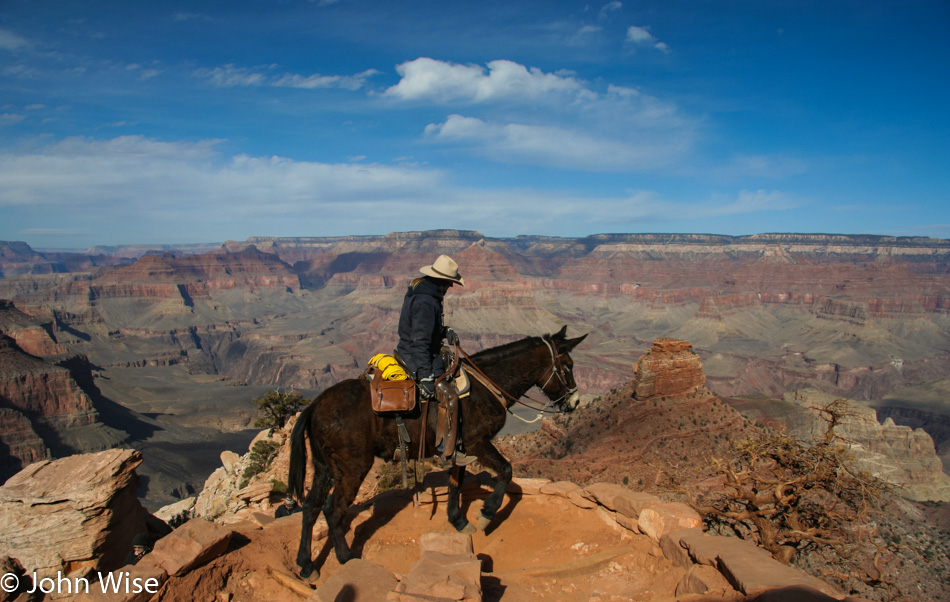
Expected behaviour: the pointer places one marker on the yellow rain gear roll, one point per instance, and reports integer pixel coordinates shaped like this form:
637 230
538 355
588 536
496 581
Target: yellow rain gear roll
388 366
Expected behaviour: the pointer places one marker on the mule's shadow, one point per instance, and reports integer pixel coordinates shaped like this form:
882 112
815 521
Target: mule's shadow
432 492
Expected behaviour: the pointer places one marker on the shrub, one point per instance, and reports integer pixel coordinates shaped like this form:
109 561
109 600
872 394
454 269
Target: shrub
261 456
276 407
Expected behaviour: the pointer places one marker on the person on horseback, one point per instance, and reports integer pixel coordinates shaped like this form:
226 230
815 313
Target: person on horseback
421 331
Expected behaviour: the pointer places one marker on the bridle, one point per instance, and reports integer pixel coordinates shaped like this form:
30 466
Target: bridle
556 369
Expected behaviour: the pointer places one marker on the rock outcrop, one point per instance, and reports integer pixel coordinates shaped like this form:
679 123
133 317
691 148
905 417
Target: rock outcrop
900 455
74 515
669 369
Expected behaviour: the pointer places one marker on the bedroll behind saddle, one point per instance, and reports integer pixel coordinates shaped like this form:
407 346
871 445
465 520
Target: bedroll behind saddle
393 392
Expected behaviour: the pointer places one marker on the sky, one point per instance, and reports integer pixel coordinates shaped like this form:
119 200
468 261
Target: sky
171 122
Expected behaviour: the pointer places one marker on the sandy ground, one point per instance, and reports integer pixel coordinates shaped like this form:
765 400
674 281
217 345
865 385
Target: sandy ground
538 548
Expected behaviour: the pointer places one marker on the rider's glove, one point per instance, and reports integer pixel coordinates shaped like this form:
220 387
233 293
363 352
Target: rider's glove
427 387
450 336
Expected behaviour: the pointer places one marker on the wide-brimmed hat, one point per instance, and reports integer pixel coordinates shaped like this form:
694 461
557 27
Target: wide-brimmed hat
444 268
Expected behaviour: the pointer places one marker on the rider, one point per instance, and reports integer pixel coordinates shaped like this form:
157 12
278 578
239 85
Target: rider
421 331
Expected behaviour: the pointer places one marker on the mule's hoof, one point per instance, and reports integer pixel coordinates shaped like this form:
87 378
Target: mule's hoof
482 522
468 529
307 573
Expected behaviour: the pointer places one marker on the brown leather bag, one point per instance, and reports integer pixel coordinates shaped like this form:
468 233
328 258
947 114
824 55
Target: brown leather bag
392 396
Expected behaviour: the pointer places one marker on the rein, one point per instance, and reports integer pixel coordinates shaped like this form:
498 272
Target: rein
500 393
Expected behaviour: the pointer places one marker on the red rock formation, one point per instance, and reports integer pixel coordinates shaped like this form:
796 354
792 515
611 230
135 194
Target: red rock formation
78 512
19 443
669 369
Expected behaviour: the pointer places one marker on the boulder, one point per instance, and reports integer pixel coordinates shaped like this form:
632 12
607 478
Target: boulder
446 570
526 486
190 545
73 513
357 581
656 521
178 513
701 579
748 568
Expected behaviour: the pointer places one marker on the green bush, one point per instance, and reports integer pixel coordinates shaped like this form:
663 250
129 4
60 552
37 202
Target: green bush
276 407
262 454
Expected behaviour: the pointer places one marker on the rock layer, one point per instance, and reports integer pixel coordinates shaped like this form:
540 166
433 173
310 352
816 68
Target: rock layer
77 513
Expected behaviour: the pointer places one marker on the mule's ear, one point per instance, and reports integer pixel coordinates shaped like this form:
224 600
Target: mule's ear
572 343
559 335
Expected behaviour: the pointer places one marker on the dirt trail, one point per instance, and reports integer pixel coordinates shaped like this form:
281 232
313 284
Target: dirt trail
539 547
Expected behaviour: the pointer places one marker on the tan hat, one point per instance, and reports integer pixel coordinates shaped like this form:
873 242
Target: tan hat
444 268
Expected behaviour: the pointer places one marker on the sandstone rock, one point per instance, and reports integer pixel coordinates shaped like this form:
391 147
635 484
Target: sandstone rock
440 575
78 511
748 568
669 369
632 503
192 544
560 488
229 460
526 486
605 494
675 550
178 513
661 519
358 581
701 579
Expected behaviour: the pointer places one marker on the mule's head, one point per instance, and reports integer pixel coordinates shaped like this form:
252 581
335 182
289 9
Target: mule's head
557 382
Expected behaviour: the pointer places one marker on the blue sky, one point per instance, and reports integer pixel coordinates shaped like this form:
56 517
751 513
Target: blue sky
165 122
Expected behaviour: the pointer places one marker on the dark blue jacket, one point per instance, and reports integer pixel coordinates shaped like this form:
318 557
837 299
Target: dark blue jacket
420 329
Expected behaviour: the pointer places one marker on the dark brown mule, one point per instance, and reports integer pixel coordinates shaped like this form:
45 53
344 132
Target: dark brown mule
345 435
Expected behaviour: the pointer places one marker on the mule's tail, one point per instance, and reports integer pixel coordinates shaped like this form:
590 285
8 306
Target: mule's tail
298 453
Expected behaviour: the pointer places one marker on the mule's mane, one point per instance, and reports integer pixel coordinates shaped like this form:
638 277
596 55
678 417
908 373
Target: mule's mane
505 352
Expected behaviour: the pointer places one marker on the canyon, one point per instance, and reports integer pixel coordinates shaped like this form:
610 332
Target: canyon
170 345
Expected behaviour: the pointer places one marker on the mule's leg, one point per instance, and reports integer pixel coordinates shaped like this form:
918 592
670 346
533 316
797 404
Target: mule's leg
492 459
347 486
454 511
310 509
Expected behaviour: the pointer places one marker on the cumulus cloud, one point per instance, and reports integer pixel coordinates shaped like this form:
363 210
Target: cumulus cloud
231 76
620 130
439 81
641 36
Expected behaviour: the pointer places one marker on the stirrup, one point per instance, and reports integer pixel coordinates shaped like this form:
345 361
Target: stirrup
456 459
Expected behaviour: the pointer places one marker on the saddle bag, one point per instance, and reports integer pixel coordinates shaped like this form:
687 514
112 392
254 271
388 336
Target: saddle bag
392 396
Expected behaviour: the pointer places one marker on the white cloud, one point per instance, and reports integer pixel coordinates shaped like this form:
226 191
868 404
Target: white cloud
11 41
555 146
346 82
189 192
231 76
191 177
10 118
439 81
642 37
610 7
